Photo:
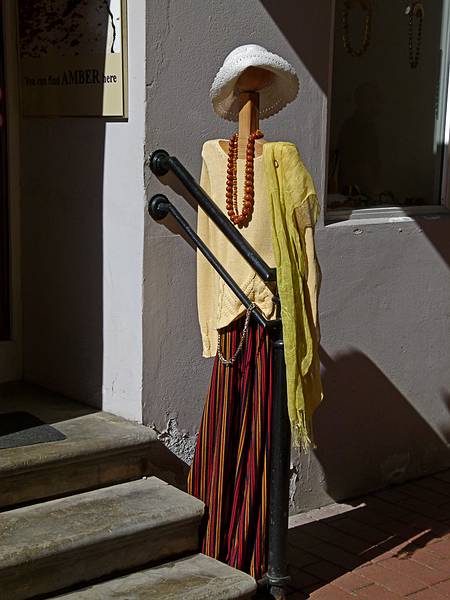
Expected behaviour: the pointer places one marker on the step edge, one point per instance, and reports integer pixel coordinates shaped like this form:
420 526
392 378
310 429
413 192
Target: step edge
189 508
84 456
107 543
73 570
241 577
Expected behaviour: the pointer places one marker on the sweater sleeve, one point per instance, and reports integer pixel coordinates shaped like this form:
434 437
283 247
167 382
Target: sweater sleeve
306 203
206 276
307 210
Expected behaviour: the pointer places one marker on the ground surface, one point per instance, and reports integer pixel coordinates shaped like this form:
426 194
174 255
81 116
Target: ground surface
389 545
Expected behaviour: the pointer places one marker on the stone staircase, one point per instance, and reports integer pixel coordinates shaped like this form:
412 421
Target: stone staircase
96 515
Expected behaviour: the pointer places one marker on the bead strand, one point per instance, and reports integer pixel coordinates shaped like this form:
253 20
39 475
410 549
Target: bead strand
241 218
416 11
357 52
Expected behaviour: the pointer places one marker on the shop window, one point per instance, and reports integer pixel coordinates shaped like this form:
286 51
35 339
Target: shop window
387 138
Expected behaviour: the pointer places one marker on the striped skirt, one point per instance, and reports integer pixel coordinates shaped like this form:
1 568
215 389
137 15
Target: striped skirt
229 472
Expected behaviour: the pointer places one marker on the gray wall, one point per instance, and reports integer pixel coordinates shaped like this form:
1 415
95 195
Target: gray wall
384 303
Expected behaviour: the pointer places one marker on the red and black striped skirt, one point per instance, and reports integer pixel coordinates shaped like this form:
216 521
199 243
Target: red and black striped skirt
230 469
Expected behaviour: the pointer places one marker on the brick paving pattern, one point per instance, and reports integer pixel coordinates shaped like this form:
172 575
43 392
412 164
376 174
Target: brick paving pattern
389 545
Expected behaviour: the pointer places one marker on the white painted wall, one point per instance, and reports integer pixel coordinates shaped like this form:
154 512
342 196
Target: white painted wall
123 237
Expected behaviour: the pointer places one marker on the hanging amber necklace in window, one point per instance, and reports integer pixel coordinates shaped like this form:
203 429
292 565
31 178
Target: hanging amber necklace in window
367 6
241 218
414 11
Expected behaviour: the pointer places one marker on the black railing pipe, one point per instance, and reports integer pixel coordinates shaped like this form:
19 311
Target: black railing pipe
159 207
161 163
280 445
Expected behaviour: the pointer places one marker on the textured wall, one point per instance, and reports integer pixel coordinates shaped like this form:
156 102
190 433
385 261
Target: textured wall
384 303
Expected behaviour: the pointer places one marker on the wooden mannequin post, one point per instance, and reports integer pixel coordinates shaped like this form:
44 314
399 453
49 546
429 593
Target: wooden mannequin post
248 121
249 84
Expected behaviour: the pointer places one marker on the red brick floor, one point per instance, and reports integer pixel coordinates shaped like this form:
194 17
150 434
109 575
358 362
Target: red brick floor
388 545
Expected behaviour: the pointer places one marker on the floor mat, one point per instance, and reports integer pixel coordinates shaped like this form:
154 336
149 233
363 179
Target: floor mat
24 429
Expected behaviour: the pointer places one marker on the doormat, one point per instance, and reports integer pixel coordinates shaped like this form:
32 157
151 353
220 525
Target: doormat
24 429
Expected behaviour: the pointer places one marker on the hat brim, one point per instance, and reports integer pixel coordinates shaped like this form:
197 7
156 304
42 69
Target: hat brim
282 90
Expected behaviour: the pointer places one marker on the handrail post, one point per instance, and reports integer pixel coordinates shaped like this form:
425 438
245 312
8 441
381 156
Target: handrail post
280 448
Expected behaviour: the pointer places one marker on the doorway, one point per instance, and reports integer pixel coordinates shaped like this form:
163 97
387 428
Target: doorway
10 317
5 318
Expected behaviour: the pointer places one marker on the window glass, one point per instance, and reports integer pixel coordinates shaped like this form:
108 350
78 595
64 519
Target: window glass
388 104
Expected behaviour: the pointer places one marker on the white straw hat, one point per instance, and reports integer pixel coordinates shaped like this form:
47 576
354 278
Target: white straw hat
282 90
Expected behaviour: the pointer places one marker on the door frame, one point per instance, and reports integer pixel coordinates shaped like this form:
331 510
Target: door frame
11 350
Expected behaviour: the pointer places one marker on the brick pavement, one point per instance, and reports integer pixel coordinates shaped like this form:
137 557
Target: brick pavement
389 545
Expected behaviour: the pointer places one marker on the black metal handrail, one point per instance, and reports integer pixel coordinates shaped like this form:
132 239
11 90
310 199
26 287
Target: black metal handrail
280 443
161 163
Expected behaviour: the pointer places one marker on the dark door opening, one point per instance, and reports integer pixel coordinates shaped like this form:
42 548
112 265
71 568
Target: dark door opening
5 320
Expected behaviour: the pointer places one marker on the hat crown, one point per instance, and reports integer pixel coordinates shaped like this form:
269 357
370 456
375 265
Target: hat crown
246 49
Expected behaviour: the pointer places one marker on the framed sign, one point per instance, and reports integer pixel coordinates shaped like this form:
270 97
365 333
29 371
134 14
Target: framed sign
73 57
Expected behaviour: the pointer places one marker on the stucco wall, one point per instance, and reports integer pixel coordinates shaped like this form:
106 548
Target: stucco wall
82 214
384 301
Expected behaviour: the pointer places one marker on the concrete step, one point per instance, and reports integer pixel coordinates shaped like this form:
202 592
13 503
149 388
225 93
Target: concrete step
196 577
75 540
100 449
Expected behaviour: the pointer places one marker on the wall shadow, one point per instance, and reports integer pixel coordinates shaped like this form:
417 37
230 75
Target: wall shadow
303 25
62 255
62 172
5 308
360 403
170 180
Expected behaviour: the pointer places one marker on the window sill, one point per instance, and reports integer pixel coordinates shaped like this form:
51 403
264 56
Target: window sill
383 214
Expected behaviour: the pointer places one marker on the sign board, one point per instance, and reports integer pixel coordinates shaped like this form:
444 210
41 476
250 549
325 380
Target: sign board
73 57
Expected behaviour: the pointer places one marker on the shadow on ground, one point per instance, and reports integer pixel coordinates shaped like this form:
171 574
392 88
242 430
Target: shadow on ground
397 528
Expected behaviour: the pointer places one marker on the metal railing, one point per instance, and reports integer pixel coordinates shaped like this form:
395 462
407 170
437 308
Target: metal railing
280 443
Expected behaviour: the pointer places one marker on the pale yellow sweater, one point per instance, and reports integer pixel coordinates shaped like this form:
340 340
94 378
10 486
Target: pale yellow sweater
217 305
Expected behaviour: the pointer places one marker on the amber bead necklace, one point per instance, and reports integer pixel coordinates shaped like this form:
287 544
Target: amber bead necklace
241 218
366 5
414 11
